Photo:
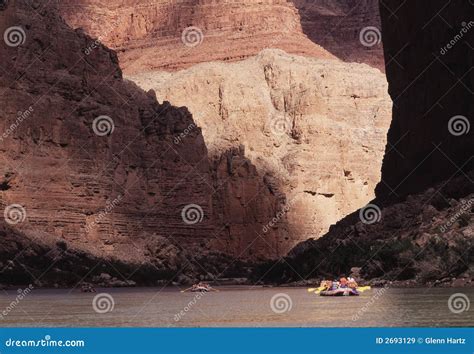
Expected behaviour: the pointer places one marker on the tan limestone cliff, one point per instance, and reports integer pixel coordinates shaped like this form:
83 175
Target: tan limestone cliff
316 127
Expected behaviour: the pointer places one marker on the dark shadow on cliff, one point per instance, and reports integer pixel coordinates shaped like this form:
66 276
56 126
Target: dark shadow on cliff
426 196
336 26
69 79
425 239
430 72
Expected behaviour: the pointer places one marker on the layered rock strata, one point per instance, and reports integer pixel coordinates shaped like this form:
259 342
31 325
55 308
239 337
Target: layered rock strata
349 29
315 127
420 227
175 34
95 164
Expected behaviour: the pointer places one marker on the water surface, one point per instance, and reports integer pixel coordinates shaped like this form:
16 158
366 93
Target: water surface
236 306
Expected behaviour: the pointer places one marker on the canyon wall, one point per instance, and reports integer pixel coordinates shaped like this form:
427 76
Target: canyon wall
349 29
419 229
429 51
317 127
174 34
78 139
276 148
92 167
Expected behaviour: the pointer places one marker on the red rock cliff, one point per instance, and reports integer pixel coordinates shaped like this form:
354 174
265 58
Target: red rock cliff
426 236
173 34
94 163
349 29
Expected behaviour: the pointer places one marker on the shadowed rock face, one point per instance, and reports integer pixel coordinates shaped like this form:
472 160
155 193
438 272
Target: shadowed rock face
3 4
175 34
429 54
318 125
349 29
229 30
426 239
112 189
427 235
66 166
116 191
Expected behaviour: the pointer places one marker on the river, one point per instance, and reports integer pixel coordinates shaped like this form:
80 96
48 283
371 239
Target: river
234 306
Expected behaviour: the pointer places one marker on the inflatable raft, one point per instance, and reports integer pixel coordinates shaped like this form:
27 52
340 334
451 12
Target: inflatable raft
201 289
340 292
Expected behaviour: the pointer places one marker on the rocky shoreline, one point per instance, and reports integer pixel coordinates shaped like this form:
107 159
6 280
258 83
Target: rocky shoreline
421 241
425 239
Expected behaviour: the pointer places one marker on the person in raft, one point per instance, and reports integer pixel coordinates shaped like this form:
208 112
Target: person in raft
343 283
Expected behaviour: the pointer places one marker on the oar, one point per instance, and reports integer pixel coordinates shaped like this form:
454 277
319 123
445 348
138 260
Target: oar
363 288
321 288
317 290
183 291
